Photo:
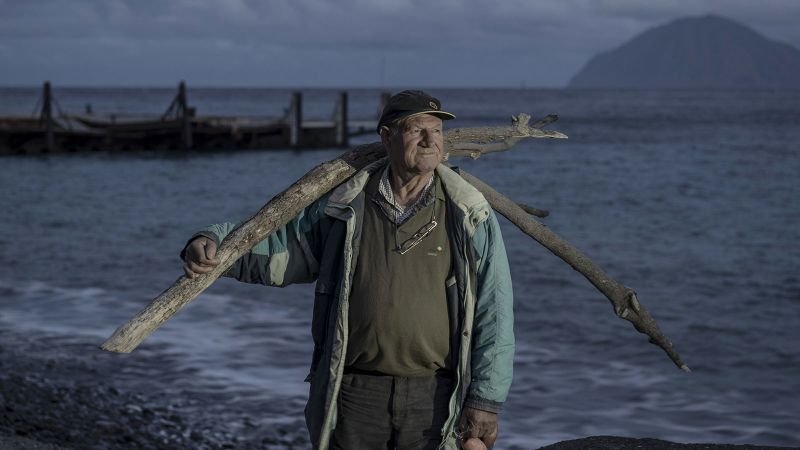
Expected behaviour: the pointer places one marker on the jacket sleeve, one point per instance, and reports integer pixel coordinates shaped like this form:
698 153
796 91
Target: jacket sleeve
493 328
289 255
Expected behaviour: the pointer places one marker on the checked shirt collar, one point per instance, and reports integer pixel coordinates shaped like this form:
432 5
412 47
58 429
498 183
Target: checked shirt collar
395 212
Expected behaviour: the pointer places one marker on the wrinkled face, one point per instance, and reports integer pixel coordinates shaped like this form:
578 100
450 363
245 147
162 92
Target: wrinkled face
416 149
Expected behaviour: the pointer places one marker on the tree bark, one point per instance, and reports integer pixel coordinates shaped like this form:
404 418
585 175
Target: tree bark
321 179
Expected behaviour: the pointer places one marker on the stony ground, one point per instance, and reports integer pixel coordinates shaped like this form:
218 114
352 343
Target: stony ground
68 395
21 443
72 395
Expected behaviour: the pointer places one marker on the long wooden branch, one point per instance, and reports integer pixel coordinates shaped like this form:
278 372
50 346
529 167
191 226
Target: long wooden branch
276 213
624 299
284 206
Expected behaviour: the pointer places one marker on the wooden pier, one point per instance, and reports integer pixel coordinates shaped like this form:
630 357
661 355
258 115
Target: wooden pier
178 129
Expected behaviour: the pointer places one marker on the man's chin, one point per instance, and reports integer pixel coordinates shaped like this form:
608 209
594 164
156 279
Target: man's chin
428 160
426 168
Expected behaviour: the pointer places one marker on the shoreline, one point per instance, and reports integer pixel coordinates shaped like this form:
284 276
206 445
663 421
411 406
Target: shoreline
16 442
60 393
63 391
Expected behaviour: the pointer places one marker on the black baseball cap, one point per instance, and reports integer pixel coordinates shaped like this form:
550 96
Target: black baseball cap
409 103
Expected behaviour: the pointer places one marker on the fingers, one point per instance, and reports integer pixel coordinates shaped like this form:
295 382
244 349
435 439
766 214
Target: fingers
191 268
473 444
486 433
478 424
211 253
205 251
491 437
200 257
486 436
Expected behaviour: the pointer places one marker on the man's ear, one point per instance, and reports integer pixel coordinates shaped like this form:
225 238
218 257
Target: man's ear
384 133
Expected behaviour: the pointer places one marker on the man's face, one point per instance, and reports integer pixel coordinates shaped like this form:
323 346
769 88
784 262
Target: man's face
418 148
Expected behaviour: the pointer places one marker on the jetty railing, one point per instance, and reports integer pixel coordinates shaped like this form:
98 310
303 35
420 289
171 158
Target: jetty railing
179 128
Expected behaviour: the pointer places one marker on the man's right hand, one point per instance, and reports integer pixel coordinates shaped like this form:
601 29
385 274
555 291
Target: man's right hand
200 256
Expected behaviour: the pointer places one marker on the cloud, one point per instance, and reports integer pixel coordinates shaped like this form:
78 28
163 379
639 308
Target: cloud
776 19
370 24
544 36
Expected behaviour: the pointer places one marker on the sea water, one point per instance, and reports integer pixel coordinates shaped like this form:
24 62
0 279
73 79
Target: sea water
688 197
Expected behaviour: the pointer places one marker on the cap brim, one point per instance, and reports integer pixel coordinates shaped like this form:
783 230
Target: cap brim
444 115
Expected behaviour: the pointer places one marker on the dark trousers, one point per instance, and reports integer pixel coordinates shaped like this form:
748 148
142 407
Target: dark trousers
387 412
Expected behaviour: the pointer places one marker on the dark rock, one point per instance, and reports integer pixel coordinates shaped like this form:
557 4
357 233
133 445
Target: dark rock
624 443
697 52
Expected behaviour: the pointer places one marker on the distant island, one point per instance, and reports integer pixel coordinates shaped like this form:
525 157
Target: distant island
695 52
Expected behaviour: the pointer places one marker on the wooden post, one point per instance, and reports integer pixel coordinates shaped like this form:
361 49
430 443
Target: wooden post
186 117
46 116
109 138
296 119
342 130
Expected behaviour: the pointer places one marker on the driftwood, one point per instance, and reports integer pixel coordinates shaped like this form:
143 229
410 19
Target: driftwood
471 142
276 213
474 142
624 299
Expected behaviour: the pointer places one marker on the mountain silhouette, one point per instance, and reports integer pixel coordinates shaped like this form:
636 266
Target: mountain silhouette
695 52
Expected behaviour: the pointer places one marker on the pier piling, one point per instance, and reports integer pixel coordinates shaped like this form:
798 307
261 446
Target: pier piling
342 132
186 115
296 120
46 117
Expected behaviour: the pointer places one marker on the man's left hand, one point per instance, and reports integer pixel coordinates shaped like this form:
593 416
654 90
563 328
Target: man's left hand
479 424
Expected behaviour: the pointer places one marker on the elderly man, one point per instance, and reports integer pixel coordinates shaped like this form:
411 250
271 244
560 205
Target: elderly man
413 318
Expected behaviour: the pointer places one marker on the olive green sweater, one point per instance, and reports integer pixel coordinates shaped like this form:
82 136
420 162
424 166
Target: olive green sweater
398 310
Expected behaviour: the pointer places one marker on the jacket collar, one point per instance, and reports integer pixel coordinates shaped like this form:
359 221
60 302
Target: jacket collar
468 199
463 194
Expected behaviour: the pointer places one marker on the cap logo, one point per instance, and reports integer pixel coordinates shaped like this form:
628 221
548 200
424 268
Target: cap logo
433 106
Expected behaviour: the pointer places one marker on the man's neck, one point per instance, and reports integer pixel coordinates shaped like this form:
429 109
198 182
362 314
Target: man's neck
407 188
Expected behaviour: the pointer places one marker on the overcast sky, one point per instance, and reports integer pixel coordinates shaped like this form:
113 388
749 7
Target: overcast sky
341 43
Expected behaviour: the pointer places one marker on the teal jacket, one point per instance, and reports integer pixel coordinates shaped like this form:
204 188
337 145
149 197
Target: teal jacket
321 243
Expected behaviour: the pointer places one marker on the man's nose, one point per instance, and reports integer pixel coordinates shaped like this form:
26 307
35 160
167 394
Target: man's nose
425 138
